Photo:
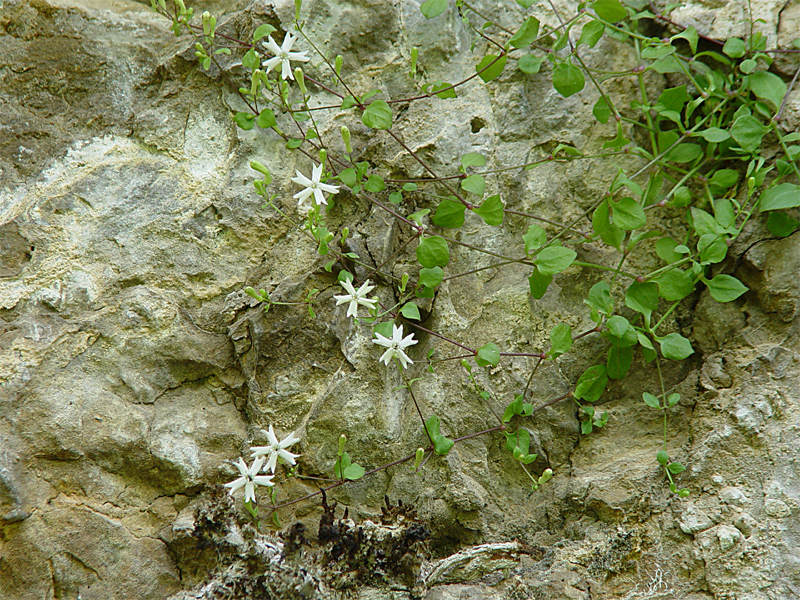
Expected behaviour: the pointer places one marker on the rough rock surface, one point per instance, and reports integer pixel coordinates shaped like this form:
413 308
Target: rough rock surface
132 366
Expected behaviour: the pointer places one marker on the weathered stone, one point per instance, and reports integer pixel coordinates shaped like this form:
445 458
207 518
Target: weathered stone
133 368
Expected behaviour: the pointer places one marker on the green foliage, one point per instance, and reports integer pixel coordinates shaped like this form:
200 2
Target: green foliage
716 159
441 444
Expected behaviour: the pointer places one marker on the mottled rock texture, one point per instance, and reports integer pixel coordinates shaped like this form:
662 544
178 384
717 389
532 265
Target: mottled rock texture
132 366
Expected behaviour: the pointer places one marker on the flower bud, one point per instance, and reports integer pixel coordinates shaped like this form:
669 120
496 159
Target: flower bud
298 76
418 458
546 476
346 138
342 441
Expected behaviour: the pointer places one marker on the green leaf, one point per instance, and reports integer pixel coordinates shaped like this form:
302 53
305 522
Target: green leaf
432 252
609 10
385 329
250 60
354 472
378 115
724 288
526 34
618 326
441 444
601 110
781 225
658 51
348 177
450 213
410 311
768 86
651 400
538 284
266 119
642 297
684 153
674 98
554 259
263 31
748 132
474 184
675 285
375 184
668 64
714 134
723 180
534 238
665 248
703 222
591 34
244 120
530 64
724 212
486 72
348 102
675 468
491 211
734 47
619 361
617 142
602 226
621 332
675 347
473 159
433 8
515 408
560 340
690 35
628 214
488 355
712 248
449 90
294 143
663 458
591 384
568 79
785 195
526 3
599 298
430 278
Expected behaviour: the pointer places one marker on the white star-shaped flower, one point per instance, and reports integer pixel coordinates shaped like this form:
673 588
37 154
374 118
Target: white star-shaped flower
283 55
249 479
313 186
356 297
395 346
276 450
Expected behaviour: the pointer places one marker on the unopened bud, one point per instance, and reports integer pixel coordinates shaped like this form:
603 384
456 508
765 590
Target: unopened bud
301 81
418 458
346 138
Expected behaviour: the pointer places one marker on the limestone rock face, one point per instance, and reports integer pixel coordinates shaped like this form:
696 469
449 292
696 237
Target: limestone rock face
133 368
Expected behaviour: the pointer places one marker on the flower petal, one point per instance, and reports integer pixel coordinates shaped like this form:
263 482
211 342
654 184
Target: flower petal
382 341
386 357
273 439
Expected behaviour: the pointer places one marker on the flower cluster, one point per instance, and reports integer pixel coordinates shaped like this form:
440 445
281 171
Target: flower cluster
355 297
270 454
396 344
283 55
313 186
